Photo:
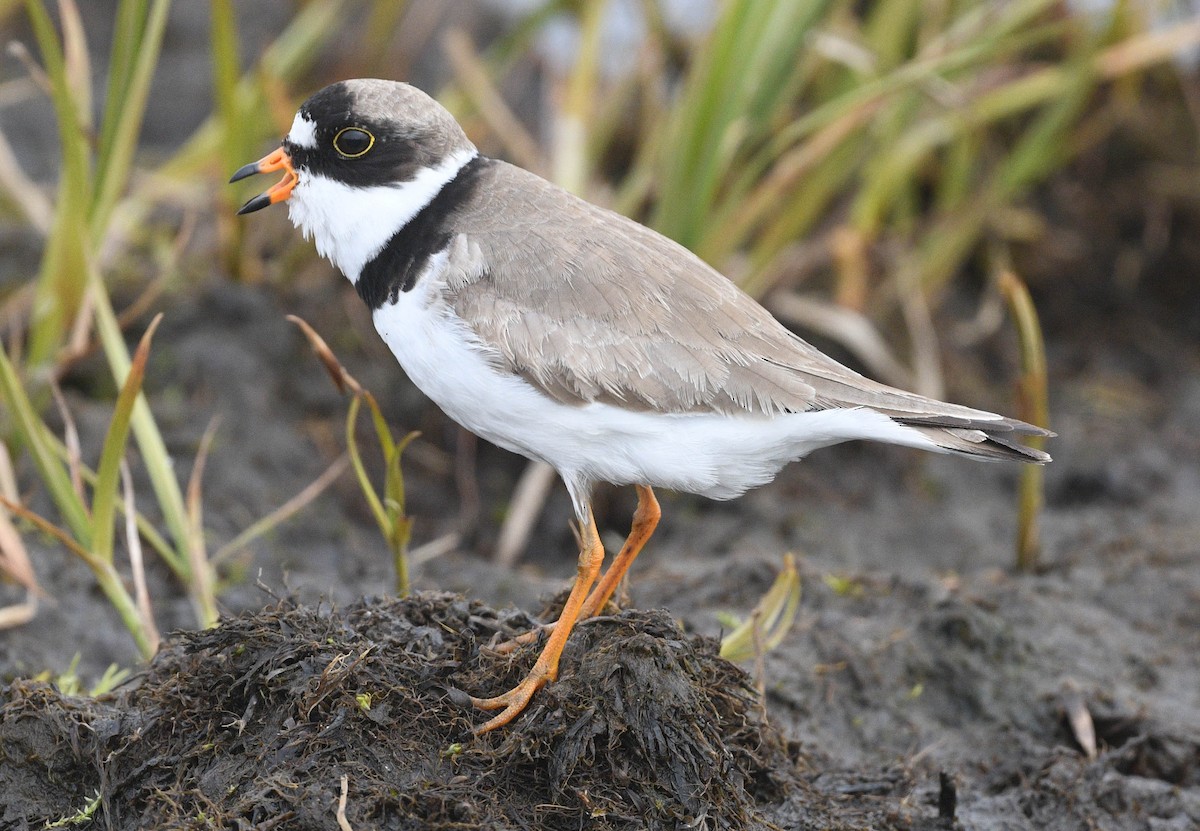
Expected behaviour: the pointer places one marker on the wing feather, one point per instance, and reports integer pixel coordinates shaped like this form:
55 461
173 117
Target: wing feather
587 305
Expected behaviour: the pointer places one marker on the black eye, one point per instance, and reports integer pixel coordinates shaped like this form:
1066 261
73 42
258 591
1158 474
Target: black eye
353 142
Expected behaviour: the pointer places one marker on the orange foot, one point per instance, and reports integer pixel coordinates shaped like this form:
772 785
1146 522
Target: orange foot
513 702
580 605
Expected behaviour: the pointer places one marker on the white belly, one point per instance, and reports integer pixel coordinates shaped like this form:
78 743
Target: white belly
712 455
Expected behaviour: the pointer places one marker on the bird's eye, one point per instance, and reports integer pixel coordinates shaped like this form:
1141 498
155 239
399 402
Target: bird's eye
352 142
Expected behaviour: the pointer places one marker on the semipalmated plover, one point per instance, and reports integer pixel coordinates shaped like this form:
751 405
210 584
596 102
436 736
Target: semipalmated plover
568 333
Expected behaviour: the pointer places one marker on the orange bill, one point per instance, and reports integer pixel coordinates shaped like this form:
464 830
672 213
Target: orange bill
280 191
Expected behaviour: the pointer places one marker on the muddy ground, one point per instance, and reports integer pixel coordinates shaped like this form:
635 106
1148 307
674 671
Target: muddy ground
925 684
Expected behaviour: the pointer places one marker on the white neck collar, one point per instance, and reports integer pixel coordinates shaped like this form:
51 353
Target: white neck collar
351 225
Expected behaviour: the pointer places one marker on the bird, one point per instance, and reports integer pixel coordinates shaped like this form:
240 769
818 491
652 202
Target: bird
568 333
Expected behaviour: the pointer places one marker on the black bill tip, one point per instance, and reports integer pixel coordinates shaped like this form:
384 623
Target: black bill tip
256 204
245 171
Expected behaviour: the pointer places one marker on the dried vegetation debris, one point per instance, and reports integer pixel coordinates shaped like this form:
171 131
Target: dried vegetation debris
255 722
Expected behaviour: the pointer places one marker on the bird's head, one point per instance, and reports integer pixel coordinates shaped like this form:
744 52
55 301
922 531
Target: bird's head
361 159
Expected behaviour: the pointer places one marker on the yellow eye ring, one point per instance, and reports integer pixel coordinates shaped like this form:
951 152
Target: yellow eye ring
349 142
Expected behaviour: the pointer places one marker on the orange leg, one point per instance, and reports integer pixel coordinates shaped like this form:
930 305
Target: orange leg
645 520
591 557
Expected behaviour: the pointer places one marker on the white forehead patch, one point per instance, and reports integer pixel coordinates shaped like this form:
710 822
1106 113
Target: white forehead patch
303 132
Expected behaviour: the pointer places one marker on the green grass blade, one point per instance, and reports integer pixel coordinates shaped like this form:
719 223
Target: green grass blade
890 31
51 469
225 85
360 470
145 430
288 57
116 157
128 26
386 443
737 84
770 620
147 531
62 278
104 498
394 494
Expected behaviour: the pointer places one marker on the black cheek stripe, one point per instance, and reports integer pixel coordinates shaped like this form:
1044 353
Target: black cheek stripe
397 267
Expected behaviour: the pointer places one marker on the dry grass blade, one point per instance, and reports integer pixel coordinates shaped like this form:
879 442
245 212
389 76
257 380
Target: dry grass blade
918 318
14 557
8 477
38 210
79 338
283 512
1083 727
472 75
37 76
19 614
71 440
141 594
1034 408
342 379
47 527
1147 49
78 63
528 499
851 329
201 587
343 823
435 548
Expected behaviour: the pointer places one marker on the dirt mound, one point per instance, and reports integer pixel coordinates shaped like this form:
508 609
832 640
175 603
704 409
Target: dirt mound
255 724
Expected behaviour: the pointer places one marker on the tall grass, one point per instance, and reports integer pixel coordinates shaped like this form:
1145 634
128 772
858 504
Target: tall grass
90 531
896 140
97 158
70 295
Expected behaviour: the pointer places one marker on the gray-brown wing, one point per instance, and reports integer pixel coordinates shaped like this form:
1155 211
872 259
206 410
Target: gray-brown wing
588 305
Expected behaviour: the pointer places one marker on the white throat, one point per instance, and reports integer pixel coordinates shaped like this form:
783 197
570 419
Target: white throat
350 225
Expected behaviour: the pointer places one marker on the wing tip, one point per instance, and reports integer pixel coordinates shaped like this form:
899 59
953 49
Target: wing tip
981 443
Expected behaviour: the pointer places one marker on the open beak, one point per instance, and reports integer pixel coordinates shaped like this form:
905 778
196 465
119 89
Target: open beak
280 191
